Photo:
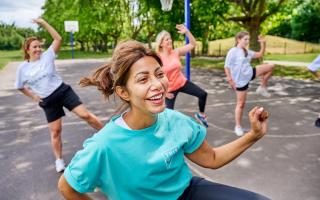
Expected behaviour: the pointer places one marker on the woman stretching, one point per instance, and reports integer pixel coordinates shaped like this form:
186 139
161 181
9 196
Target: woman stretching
38 79
240 72
172 67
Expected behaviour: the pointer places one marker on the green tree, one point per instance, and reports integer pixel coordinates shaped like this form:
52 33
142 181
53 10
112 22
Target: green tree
306 22
250 14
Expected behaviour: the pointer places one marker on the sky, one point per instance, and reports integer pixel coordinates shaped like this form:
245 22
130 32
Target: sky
20 12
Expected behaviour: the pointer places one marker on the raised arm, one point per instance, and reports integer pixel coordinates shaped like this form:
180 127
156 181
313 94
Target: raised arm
214 158
54 34
192 41
262 42
68 192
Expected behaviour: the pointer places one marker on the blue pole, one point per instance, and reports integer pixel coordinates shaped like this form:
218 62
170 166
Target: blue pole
187 21
71 44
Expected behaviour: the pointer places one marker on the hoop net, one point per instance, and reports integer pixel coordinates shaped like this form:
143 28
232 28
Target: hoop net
166 5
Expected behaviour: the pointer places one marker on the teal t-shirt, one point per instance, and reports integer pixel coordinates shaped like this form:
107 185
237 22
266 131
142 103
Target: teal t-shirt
138 164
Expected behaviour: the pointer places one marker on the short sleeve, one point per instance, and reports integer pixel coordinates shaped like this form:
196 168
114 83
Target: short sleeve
49 54
251 54
229 62
18 82
196 138
83 172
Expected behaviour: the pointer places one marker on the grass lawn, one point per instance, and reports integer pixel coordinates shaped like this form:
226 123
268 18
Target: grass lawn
309 57
9 56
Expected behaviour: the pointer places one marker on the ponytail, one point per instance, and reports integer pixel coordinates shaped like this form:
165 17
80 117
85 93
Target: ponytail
102 78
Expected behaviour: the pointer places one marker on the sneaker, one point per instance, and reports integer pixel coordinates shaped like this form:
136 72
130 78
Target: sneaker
238 131
60 166
201 119
317 123
263 91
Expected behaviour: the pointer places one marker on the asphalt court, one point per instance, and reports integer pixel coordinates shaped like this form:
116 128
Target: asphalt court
283 165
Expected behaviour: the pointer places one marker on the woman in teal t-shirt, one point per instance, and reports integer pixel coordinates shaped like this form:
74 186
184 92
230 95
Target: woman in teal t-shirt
140 153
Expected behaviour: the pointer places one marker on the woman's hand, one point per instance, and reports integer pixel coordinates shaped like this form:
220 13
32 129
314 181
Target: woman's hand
182 29
38 21
261 39
36 98
259 122
169 95
232 84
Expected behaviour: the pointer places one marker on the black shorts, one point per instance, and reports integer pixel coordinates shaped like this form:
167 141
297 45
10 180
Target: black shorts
63 96
244 88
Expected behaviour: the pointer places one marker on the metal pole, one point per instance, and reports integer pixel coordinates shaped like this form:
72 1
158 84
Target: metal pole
71 44
187 21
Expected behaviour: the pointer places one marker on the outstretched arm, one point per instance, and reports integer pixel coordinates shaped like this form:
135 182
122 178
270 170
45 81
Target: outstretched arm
54 34
214 158
192 41
262 42
68 192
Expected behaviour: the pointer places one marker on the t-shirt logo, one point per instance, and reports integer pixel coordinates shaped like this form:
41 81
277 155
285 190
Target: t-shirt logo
168 156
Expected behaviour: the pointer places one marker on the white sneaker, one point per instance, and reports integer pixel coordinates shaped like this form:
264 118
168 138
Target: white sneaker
238 131
60 166
263 91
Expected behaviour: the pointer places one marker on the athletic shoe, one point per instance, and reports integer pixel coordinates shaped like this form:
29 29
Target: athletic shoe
60 166
238 130
201 119
317 123
263 91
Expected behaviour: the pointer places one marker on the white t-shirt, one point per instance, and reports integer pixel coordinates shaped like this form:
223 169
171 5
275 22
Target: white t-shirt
239 65
315 65
40 76
120 122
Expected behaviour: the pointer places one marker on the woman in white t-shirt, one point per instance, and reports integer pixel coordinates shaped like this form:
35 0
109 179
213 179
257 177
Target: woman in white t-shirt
38 79
240 72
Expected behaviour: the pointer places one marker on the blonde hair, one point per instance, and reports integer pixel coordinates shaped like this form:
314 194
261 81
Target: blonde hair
239 36
159 39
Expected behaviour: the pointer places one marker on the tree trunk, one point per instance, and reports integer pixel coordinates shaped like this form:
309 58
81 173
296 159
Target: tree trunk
253 28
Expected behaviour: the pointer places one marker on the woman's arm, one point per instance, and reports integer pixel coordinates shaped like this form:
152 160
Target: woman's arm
57 40
192 41
262 42
229 78
68 192
214 158
28 93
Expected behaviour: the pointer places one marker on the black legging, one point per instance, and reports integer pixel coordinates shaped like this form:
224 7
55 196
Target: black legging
201 189
192 89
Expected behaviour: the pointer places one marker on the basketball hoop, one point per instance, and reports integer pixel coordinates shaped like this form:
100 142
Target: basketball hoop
166 5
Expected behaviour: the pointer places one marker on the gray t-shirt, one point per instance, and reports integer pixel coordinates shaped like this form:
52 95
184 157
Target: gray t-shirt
239 65
40 76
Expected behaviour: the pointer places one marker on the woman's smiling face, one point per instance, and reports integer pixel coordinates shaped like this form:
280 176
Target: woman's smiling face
146 87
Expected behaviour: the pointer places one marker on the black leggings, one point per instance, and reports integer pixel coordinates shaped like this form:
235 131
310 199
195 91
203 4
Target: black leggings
192 89
201 189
